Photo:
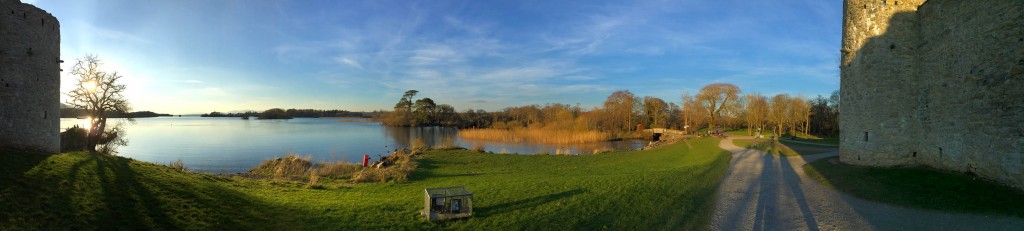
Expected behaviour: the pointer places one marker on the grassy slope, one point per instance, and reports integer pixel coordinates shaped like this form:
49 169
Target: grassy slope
669 187
84 191
920 188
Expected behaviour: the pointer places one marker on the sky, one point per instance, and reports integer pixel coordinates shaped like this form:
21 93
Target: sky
198 56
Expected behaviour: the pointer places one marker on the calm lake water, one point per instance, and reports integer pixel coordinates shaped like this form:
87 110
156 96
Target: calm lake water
228 145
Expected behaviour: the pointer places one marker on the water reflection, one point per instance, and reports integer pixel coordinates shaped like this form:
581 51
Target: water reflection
224 145
433 136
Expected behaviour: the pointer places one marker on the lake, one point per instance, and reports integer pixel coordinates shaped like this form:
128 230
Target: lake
229 145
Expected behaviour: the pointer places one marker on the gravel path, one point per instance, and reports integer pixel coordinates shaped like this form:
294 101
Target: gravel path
766 192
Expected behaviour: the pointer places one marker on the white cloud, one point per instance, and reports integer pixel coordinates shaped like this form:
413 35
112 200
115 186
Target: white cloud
193 81
349 62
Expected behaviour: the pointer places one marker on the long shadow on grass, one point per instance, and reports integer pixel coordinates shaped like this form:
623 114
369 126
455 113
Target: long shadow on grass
526 203
922 187
109 192
424 169
15 163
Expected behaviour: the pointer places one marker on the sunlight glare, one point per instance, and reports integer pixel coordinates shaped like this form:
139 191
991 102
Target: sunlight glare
90 85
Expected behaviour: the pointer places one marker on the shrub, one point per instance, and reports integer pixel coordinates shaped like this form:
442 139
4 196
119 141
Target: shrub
447 143
419 144
402 166
178 165
293 167
73 139
478 148
338 169
314 178
289 167
603 150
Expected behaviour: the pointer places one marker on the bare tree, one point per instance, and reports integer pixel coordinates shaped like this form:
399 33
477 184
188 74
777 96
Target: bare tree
716 98
100 94
800 113
777 115
693 113
757 111
621 105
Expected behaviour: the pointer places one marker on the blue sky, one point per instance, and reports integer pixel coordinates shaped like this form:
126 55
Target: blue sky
196 56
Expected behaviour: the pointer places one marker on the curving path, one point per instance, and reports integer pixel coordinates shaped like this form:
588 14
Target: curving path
766 192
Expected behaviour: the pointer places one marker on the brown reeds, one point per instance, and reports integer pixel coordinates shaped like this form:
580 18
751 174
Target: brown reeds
447 143
402 167
294 167
536 135
477 148
178 165
602 150
419 144
314 178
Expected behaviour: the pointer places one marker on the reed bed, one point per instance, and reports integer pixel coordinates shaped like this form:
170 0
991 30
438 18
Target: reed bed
401 169
178 165
536 135
294 167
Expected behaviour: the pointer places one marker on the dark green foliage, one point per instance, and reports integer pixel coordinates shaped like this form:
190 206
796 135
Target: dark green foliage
73 139
275 113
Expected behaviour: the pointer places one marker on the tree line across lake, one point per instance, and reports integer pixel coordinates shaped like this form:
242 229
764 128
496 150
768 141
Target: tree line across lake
715 106
82 113
277 113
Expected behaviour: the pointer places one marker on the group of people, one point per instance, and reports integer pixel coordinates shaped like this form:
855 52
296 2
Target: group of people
709 133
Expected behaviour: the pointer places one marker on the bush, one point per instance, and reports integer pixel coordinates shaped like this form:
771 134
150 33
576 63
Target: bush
447 143
338 169
294 167
397 167
603 150
289 167
314 178
402 166
73 139
178 165
419 144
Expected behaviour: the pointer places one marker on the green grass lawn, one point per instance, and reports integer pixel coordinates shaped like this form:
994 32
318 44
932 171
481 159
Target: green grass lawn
784 149
920 188
671 187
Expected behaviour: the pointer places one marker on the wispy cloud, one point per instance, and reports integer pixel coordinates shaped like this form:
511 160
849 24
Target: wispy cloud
107 33
480 54
348 61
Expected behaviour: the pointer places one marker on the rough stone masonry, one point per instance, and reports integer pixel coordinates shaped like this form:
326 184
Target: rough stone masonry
935 83
29 78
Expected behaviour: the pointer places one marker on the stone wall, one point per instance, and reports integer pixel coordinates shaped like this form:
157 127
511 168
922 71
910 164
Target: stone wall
935 83
29 78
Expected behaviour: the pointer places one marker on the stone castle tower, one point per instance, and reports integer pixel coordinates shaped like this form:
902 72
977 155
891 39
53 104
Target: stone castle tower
29 78
935 83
